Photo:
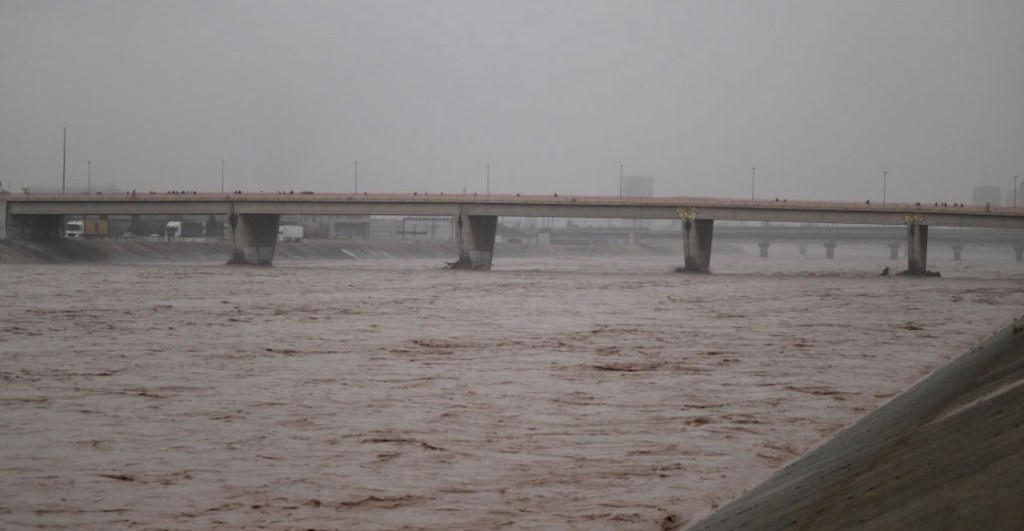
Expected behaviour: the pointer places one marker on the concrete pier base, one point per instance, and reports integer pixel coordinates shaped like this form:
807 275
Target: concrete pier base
830 250
763 245
697 234
958 249
894 250
917 249
475 236
43 227
254 238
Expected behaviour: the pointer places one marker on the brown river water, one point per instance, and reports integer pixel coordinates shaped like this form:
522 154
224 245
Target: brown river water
549 393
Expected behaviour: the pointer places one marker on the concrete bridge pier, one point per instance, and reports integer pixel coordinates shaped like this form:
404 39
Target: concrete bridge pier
475 235
830 249
697 235
1019 251
958 249
254 238
763 245
803 248
894 250
3 218
38 227
917 249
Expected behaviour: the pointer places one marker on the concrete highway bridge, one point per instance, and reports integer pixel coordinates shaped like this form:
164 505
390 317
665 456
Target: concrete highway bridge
254 217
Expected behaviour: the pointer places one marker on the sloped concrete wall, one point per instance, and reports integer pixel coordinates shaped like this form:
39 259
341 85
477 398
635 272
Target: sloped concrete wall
946 454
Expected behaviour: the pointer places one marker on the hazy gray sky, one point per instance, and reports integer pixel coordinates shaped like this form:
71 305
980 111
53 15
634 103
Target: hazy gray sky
821 96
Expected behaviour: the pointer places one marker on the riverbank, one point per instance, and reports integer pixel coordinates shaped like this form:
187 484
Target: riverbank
146 251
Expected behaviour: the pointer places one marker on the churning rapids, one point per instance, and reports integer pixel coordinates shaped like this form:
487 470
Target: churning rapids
549 393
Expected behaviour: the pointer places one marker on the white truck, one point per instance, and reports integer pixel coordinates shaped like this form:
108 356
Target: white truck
289 233
74 229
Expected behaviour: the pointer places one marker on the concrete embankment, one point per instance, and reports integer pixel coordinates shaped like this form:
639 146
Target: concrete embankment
946 454
145 251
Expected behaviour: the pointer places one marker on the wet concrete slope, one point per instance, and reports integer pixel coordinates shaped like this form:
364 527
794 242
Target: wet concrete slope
946 454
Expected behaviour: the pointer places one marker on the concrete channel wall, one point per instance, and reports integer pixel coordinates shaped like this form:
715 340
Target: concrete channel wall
946 454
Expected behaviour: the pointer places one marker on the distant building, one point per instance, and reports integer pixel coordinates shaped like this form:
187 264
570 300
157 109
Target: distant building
638 186
987 195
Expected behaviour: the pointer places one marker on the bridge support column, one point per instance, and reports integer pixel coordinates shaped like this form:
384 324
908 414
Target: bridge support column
697 235
917 249
958 249
763 245
894 250
475 235
830 250
1019 251
254 238
3 218
41 227
803 248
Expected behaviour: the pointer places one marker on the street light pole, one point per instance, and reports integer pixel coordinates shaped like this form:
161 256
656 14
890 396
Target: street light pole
885 175
753 173
64 164
1015 191
488 178
620 180
88 185
356 175
222 176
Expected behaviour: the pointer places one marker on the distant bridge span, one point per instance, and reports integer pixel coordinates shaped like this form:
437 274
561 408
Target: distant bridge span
254 215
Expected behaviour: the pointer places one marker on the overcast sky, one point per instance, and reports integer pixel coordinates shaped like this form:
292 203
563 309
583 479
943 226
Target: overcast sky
821 96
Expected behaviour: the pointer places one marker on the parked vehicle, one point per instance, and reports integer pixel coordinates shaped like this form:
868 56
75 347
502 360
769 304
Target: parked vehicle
96 228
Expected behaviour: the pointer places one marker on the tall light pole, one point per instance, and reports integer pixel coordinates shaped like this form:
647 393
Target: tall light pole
620 180
356 176
64 163
88 185
753 174
488 178
222 176
885 175
1015 191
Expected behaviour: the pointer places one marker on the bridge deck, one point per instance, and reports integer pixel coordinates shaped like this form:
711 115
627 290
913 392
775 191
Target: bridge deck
571 206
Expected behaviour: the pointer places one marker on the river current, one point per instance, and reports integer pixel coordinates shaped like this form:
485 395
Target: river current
549 393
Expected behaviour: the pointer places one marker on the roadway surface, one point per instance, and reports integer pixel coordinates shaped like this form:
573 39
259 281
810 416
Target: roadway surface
569 206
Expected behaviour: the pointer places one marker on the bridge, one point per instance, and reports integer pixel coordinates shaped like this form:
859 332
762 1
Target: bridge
254 217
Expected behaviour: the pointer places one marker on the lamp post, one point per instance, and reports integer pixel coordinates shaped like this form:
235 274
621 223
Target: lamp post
356 176
64 163
88 182
753 173
1015 191
488 178
222 176
620 180
885 175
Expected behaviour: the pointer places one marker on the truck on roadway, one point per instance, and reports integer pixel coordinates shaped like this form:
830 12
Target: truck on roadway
74 229
289 233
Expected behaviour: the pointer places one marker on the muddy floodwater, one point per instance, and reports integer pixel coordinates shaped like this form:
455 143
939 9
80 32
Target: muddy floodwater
549 393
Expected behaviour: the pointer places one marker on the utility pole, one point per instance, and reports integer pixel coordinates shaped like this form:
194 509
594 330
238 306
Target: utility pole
1015 191
488 178
64 164
222 176
620 180
357 176
753 174
88 186
885 175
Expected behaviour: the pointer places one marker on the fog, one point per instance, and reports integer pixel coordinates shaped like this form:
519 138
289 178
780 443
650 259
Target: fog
820 97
